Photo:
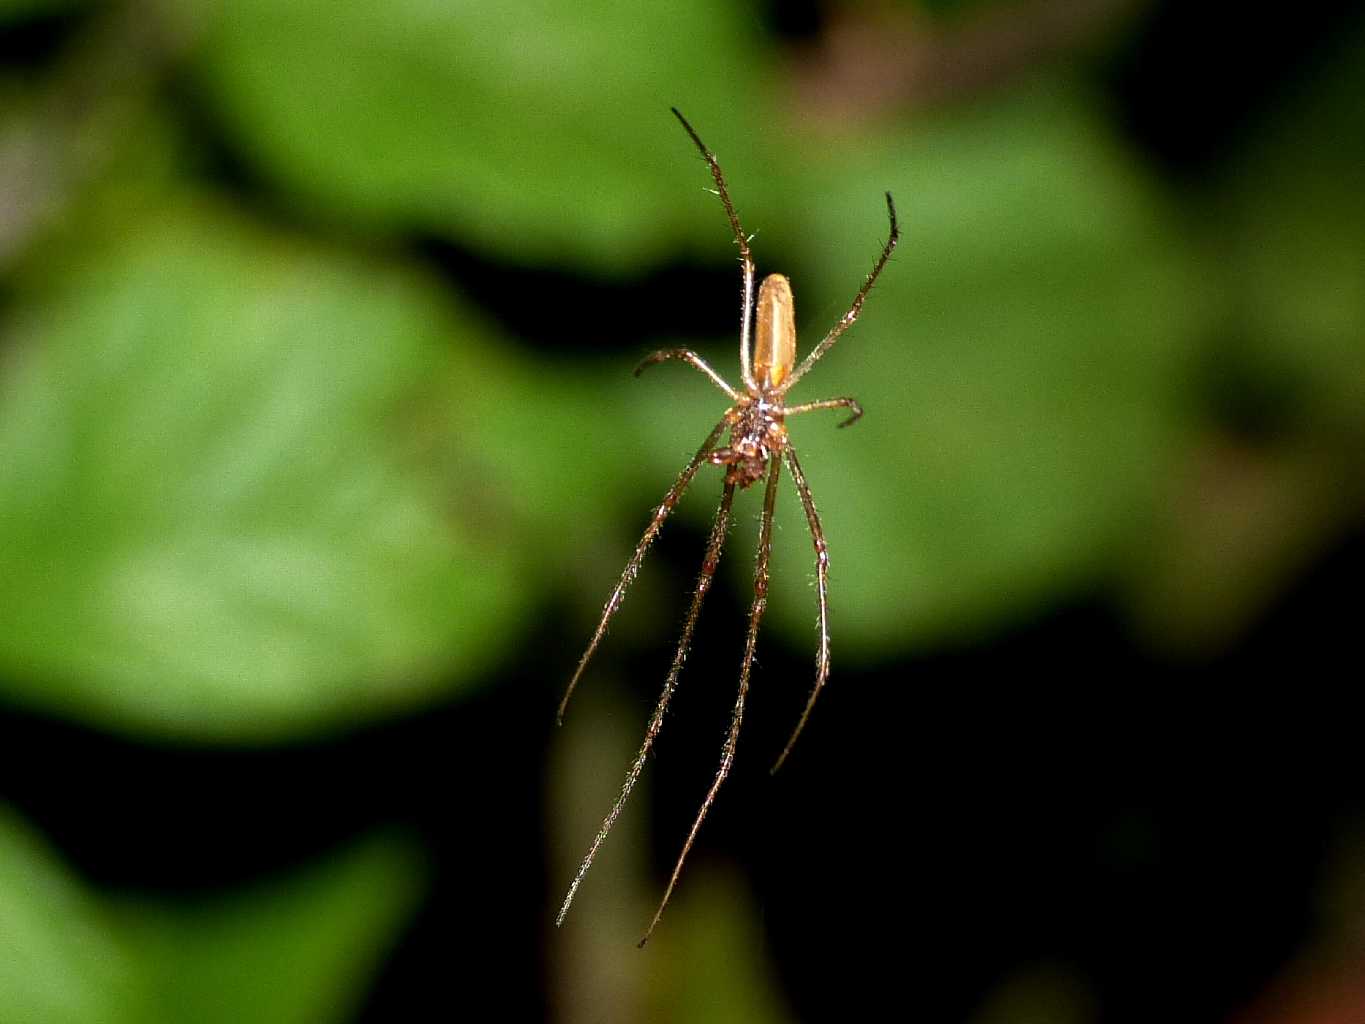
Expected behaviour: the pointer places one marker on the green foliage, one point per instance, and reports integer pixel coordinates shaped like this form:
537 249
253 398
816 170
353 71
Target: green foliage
60 959
298 949
1293 222
14 10
294 950
218 519
529 130
709 966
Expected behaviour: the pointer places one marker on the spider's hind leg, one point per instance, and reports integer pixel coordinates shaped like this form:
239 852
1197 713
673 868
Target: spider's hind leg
817 535
727 757
656 720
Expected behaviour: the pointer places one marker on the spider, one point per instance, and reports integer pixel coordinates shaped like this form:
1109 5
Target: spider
758 446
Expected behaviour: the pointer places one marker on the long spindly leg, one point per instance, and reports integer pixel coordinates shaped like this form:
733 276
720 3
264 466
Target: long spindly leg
727 757
745 257
656 720
829 403
847 320
692 359
633 566
817 535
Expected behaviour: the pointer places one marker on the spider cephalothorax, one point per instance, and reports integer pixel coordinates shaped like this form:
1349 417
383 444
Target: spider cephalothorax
758 447
757 435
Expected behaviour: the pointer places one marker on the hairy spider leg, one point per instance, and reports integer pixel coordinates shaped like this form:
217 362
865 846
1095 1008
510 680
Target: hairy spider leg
656 720
817 535
686 355
829 403
727 757
848 319
746 259
633 566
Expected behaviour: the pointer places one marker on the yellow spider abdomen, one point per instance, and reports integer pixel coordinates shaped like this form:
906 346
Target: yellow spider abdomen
775 332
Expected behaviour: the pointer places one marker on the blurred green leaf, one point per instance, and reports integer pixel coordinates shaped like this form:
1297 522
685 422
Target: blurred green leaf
531 130
1276 475
14 10
230 499
708 958
1039 994
298 949
61 958
1023 361
1293 225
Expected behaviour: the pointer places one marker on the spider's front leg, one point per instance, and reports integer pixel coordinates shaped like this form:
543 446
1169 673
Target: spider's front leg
686 355
848 319
830 403
746 259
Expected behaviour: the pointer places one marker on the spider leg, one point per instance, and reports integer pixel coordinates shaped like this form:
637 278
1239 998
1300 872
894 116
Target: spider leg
822 589
656 720
847 320
829 403
692 359
633 566
745 257
727 757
